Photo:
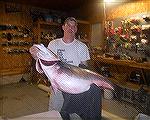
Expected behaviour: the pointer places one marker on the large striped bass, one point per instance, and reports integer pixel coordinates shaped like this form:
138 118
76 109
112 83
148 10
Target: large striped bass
65 77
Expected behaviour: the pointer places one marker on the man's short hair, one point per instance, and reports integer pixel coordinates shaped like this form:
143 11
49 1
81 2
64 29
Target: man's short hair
70 19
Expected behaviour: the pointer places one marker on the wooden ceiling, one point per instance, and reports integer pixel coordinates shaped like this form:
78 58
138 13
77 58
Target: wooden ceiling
91 10
62 5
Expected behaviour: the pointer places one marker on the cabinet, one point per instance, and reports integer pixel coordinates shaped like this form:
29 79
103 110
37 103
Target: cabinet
44 32
15 41
139 98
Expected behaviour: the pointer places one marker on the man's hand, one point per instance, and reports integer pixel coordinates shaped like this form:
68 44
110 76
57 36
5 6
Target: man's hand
83 65
34 50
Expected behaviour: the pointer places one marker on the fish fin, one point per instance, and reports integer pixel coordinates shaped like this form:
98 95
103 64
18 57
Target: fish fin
104 84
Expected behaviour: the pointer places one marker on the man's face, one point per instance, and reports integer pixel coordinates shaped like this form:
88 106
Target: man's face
70 27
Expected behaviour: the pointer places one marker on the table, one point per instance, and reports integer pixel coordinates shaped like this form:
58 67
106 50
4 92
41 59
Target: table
126 63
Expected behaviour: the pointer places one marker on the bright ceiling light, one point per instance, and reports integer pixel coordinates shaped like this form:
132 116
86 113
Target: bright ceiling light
109 1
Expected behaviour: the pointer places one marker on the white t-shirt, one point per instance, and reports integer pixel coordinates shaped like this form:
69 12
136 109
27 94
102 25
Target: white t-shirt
71 53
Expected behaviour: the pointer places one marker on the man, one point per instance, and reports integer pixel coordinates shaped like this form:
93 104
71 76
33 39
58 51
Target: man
72 51
69 50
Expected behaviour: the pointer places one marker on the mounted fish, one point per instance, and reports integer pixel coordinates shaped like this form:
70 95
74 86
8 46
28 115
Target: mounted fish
65 77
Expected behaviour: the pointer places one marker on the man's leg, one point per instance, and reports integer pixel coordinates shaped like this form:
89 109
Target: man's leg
56 101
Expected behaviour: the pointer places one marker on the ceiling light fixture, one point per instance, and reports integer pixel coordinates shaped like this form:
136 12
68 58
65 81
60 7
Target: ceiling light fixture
109 1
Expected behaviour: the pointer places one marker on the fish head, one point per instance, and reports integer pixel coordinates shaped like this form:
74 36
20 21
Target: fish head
45 54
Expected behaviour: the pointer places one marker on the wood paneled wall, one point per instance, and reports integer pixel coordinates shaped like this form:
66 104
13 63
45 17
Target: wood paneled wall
18 18
126 9
92 11
11 64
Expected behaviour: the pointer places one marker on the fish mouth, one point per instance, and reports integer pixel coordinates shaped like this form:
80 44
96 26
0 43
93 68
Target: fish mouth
49 63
